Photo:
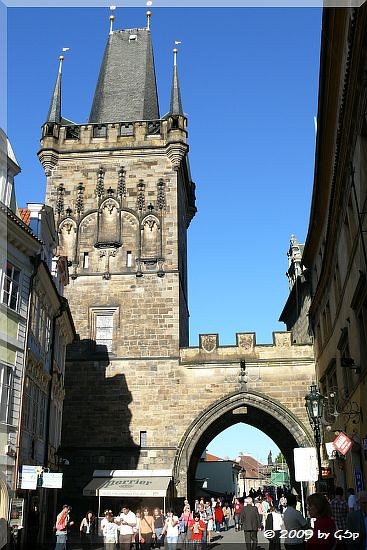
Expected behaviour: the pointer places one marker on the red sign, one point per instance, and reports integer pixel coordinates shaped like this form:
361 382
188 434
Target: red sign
342 443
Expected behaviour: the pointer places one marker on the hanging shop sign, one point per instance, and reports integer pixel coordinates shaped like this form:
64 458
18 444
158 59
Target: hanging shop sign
28 477
342 443
52 480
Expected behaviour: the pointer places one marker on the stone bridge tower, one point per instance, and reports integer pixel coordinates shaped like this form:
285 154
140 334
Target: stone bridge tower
136 395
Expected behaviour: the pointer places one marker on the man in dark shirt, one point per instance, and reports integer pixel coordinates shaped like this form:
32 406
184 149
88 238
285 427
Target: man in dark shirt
251 523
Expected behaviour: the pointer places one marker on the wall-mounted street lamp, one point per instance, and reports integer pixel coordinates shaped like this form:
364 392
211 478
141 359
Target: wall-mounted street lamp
314 406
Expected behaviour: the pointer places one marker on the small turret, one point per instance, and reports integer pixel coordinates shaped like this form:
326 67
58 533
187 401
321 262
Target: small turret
54 113
176 104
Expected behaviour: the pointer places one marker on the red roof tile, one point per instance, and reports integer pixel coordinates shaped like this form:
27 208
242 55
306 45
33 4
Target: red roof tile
25 215
212 458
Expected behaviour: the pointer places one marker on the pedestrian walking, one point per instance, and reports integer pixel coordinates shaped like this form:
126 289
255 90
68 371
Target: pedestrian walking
339 509
218 517
146 530
127 521
63 522
294 521
357 523
226 515
352 500
185 519
158 526
319 509
171 530
87 530
274 524
251 523
110 533
197 530
237 508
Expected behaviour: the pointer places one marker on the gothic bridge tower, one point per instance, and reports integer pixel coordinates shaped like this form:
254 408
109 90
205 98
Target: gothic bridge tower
123 198
137 397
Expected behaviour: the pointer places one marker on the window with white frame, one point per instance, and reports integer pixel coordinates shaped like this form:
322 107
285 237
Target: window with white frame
102 325
6 384
10 286
104 331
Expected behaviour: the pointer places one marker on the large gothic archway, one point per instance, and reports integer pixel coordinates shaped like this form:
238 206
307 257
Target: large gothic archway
253 408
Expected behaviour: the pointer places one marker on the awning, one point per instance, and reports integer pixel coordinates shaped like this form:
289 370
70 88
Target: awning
127 486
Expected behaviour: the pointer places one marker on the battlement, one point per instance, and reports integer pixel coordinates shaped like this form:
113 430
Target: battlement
168 134
103 136
282 347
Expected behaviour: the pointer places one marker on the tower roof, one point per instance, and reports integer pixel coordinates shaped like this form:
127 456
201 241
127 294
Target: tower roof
126 88
54 113
176 104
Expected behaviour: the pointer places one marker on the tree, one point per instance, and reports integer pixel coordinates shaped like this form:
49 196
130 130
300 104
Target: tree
280 459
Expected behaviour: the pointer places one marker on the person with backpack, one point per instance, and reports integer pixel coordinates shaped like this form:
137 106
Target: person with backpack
61 526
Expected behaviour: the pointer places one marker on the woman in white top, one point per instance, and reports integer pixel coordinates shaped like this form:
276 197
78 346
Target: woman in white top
110 533
274 522
171 529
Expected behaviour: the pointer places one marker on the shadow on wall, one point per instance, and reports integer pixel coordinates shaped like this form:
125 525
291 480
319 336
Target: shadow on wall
96 422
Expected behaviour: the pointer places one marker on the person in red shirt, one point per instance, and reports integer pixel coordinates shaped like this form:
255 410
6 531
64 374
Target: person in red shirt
218 516
237 509
197 528
324 526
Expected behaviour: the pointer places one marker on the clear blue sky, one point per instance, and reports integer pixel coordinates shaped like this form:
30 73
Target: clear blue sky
249 80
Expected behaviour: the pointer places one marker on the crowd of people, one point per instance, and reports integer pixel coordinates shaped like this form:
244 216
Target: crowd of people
330 524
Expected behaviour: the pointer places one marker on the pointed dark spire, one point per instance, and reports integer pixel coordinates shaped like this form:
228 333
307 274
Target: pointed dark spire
126 88
54 113
175 105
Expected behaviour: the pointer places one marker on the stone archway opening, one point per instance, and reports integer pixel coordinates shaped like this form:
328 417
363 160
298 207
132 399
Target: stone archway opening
252 408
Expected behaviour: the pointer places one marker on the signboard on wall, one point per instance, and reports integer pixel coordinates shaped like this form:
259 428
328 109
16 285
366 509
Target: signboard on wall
52 480
305 463
28 477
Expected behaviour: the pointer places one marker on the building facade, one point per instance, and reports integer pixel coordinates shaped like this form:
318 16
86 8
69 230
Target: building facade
217 477
50 329
17 246
335 249
35 327
123 198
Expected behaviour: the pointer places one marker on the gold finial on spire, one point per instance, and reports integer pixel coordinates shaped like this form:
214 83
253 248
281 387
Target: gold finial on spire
112 18
149 15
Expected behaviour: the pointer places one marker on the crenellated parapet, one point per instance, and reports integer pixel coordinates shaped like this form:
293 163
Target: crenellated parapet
246 348
168 134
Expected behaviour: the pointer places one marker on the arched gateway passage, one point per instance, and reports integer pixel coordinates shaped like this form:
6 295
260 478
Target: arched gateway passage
252 408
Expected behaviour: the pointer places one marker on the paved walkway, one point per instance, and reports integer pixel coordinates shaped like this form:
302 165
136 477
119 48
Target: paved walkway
233 538
223 541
